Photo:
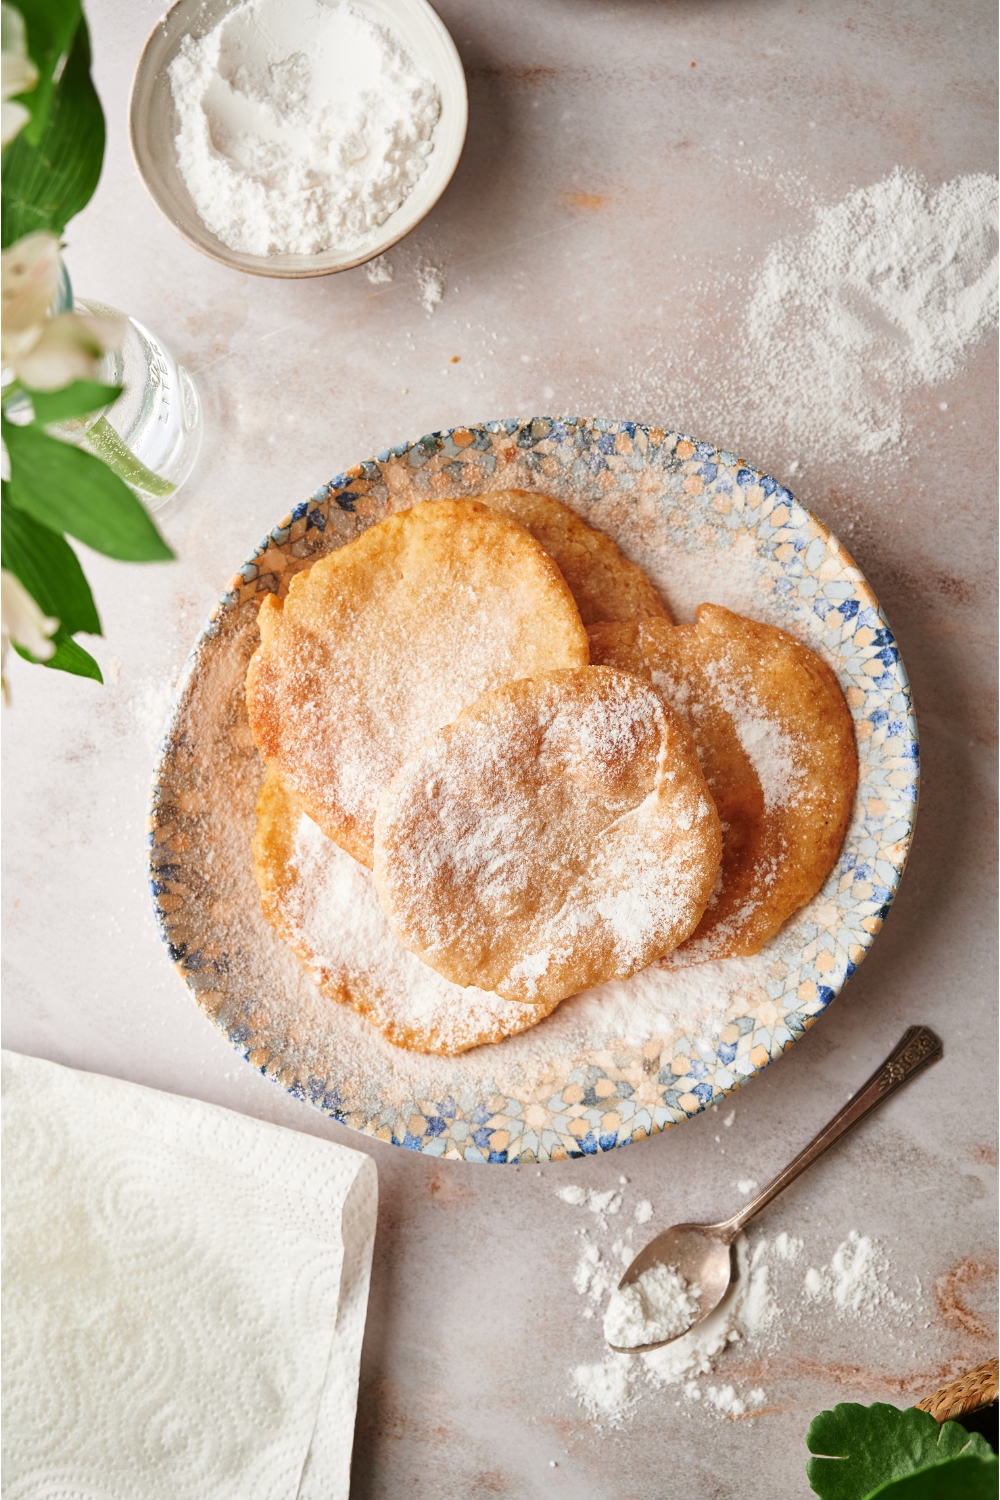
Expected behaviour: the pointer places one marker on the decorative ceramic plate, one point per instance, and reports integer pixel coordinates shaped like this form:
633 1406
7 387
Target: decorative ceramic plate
616 1064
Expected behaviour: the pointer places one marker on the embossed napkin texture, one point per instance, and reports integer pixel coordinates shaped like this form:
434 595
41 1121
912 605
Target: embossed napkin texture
184 1295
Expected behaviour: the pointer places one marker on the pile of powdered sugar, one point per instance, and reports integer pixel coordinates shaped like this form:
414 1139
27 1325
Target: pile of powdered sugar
886 292
813 355
610 1389
659 1304
303 125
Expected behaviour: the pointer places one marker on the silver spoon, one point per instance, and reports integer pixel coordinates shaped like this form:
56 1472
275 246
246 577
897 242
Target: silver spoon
703 1253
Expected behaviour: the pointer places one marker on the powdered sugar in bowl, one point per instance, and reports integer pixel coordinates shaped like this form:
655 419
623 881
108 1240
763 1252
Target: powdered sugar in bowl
297 137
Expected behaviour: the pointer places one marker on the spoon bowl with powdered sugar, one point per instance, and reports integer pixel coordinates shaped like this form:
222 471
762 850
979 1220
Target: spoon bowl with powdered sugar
683 1274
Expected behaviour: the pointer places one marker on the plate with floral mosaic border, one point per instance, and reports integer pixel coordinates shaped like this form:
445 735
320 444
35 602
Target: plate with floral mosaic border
704 526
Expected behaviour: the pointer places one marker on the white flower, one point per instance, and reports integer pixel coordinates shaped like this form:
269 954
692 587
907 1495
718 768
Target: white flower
68 347
23 622
30 275
19 74
47 353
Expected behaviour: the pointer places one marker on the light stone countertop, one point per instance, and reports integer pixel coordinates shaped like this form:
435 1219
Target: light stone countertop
610 197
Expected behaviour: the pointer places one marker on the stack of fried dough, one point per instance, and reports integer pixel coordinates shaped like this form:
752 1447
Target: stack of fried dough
553 785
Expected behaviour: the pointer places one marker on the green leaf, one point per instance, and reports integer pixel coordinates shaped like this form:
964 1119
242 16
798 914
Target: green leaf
965 1478
48 567
69 490
51 26
69 656
49 176
859 1448
78 399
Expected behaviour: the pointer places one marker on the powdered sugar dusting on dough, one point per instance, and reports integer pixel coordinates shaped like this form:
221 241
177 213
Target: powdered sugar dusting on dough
385 640
769 746
337 916
771 752
557 832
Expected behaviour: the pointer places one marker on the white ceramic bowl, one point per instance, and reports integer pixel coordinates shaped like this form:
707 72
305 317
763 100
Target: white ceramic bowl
153 126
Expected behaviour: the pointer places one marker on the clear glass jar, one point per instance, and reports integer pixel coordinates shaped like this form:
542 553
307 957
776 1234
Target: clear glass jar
151 435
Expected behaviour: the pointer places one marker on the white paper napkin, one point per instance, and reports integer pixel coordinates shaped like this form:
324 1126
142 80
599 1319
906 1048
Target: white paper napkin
184 1294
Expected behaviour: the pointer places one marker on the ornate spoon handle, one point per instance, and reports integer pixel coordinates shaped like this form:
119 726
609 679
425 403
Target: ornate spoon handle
918 1047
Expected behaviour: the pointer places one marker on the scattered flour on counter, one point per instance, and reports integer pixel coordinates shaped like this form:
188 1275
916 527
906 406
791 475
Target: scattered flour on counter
659 1304
726 1401
856 1278
430 280
609 1390
303 125
886 292
624 1248
594 1276
147 703
380 270
747 1185
750 1315
643 1211
815 354
599 1203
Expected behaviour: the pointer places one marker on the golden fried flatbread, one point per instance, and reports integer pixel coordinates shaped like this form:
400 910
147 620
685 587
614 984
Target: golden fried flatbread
323 905
605 585
777 745
385 640
558 834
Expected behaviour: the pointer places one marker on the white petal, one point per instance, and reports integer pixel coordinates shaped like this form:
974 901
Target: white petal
16 342
107 332
13 118
23 621
29 270
13 33
18 75
48 369
69 347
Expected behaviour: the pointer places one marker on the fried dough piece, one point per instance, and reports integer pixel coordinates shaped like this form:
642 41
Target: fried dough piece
385 640
322 903
776 742
605 585
558 834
